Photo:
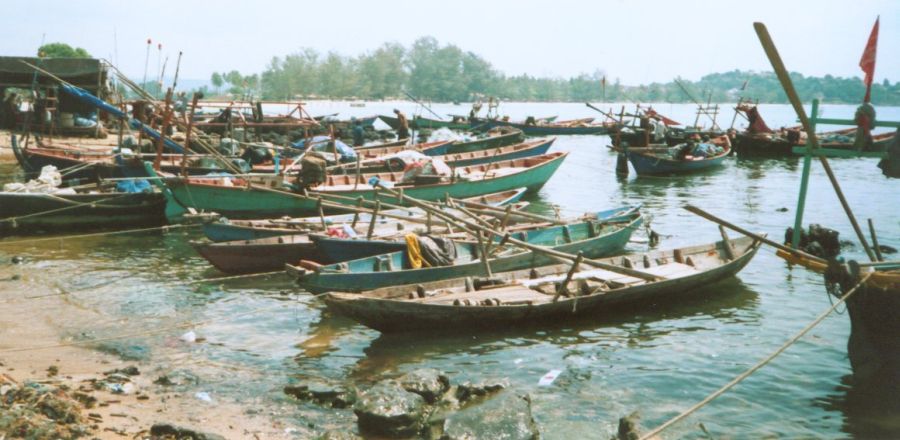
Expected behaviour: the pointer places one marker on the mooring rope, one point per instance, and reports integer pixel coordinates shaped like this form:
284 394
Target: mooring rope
99 234
758 365
74 205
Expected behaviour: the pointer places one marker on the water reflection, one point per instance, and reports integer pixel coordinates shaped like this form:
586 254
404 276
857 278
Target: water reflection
869 411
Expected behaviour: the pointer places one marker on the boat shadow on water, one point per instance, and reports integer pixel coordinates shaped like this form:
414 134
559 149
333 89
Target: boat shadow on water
727 301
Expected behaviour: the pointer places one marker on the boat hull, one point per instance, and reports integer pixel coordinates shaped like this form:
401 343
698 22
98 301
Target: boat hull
391 316
548 130
651 165
244 202
65 213
258 255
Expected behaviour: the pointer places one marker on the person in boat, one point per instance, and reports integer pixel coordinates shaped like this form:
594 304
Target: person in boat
530 121
10 111
403 125
865 119
358 133
659 131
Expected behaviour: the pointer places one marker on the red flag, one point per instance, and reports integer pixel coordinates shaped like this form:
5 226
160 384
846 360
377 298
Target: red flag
867 62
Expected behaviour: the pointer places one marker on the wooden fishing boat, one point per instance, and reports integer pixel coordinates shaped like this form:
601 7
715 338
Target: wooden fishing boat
493 139
260 255
885 274
418 122
261 197
572 127
653 161
511 152
341 242
429 149
397 163
605 234
23 213
91 165
635 136
395 143
528 297
230 230
874 344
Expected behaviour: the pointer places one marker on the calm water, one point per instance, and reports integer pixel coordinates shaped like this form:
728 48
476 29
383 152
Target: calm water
656 360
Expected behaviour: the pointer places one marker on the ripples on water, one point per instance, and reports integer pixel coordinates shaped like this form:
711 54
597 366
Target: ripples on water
658 359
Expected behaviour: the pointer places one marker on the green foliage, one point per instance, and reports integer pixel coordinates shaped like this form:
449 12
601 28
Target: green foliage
431 71
62 50
217 81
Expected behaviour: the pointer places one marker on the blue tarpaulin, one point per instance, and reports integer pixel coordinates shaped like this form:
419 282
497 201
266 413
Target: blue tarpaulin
321 143
86 97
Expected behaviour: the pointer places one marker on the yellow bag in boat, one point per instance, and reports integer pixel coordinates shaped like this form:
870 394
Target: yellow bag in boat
414 252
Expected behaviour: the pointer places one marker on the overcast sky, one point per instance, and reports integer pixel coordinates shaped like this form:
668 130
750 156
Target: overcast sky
638 41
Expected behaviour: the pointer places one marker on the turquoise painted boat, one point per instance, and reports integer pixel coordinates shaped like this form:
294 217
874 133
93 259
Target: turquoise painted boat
270 196
605 234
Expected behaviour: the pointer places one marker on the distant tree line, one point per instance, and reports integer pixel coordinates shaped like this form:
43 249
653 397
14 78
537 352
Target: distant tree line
444 73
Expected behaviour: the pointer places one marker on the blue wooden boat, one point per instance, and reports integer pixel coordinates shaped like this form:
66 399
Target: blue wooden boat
230 230
662 161
603 235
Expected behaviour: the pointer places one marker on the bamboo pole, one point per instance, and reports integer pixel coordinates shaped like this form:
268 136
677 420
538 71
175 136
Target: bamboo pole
875 245
485 259
167 114
373 220
187 133
755 236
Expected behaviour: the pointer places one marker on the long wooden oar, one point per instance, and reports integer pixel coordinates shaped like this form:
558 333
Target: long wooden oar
755 236
507 238
775 59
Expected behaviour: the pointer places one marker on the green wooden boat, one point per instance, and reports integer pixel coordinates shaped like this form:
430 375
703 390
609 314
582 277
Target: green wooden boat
605 234
419 123
260 196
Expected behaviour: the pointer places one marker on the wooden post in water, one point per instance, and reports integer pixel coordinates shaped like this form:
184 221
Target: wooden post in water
875 245
804 179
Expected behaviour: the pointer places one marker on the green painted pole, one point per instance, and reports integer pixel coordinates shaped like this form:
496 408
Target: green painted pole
804 179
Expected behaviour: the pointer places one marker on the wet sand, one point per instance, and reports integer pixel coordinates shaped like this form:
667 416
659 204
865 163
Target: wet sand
28 322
